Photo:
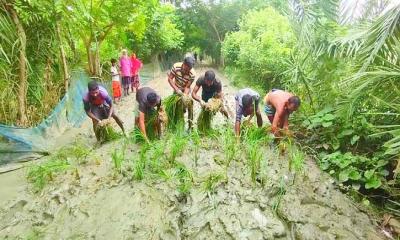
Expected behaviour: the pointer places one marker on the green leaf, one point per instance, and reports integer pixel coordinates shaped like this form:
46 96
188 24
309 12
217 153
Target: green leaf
328 117
344 176
327 124
347 132
368 174
381 163
354 175
316 120
336 144
384 172
354 139
324 166
374 182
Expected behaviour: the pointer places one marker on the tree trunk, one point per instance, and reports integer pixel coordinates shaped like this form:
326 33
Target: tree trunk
22 74
93 59
63 58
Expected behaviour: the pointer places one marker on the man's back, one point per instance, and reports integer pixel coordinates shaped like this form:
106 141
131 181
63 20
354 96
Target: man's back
278 98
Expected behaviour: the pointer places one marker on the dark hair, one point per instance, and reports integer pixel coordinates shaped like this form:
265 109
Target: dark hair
209 75
113 60
152 98
189 61
93 85
295 100
247 100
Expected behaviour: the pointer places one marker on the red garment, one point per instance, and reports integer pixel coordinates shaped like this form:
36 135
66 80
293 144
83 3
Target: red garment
135 81
136 65
116 87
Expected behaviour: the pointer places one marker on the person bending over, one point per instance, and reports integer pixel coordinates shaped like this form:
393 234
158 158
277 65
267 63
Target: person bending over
98 106
147 100
247 101
278 106
211 88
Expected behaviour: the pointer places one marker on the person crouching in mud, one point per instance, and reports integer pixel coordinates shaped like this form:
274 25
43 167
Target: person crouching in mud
212 88
98 106
278 106
147 100
247 101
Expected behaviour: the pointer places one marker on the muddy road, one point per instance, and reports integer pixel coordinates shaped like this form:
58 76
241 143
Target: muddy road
94 202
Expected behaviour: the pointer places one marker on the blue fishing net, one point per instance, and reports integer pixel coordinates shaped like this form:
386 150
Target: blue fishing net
19 143
22 144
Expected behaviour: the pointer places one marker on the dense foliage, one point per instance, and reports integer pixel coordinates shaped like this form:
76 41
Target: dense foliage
345 71
41 42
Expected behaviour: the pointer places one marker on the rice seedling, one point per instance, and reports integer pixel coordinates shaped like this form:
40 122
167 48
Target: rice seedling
175 111
281 192
204 120
35 234
156 156
253 134
118 157
196 140
178 143
254 160
296 158
106 132
207 113
43 173
40 175
184 177
212 181
80 152
140 164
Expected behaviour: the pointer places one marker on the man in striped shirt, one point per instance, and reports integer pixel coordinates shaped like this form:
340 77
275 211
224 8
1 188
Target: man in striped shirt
181 78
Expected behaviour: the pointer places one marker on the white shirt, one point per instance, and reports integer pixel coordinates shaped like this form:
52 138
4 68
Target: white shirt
114 73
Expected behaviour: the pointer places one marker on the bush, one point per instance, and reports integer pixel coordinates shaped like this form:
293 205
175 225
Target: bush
261 46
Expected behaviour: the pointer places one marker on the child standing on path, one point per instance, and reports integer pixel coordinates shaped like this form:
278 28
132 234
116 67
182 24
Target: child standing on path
116 85
125 68
136 66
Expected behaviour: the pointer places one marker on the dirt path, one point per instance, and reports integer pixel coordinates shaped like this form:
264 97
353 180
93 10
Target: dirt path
102 205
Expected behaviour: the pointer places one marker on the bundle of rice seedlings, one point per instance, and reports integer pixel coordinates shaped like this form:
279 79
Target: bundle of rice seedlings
162 122
186 100
105 131
174 109
251 134
214 105
204 121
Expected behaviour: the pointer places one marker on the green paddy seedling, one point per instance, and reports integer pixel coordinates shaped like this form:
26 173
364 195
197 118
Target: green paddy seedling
178 143
140 163
118 157
281 192
184 177
41 174
212 182
254 160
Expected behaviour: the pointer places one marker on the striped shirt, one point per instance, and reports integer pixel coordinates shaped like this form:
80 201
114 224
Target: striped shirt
180 79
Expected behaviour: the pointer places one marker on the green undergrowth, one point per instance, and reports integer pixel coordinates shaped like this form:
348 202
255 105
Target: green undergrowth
65 159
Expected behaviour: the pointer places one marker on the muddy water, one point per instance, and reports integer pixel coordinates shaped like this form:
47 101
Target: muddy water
100 204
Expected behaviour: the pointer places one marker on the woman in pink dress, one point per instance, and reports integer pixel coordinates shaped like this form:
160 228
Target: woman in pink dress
125 66
136 65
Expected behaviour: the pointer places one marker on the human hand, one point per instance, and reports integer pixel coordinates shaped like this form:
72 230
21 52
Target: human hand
179 92
202 103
